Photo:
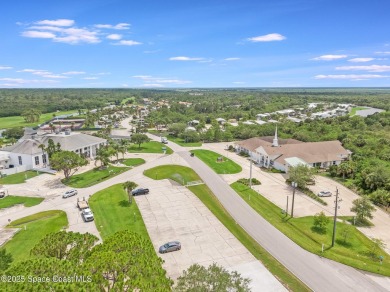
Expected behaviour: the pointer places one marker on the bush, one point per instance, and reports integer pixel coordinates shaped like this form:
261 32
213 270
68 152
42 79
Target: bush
243 154
245 181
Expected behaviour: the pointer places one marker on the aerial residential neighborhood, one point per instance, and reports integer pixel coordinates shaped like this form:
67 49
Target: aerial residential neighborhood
195 146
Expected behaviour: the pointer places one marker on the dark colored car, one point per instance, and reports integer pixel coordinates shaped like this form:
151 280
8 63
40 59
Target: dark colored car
140 191
170 246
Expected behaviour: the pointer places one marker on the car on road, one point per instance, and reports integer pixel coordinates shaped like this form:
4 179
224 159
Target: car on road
87 215
324 194
170 246
70 193
140 191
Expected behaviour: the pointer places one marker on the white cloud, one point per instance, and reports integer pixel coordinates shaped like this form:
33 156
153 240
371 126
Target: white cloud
329 57
150 80
54 76
38 34
350 76
231 59
43 73
119 26
90 78
152 85
370 68
5 67
183 58
383 53
267 38
73 73
361 60
58 22
114 36
238 82
26 81
127 43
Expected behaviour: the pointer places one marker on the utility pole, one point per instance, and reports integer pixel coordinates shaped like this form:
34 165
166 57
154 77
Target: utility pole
287 207
250 175
294 185
335 215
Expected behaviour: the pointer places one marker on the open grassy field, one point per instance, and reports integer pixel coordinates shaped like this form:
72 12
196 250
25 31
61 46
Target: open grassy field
225 166
354 250
149 147
37 226
177 172
182 142
113 212
355 109
133 161
93 176
18 178
10 201
18 121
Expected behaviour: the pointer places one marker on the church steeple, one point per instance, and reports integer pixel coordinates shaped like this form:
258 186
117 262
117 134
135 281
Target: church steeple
275 142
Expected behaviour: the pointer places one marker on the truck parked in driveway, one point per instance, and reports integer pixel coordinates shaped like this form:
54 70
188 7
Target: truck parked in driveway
82 204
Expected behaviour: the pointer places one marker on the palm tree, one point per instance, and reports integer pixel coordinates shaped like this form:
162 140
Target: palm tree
43 148
129 186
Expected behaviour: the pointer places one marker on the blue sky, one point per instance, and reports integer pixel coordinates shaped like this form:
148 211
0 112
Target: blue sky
171 44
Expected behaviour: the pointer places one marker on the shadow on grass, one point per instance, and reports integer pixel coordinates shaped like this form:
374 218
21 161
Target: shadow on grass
124 203
318 230
343 243
360 223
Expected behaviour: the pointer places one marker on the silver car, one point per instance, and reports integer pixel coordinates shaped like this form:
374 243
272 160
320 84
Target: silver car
70 193
170 246
324 194
87 215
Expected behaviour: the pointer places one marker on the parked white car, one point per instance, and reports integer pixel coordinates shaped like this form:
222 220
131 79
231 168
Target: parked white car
70 193
324 194
87 215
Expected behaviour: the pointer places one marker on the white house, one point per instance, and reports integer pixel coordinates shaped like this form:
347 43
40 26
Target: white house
27 154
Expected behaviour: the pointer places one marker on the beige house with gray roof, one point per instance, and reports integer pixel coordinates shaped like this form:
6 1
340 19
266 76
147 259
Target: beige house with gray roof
281 154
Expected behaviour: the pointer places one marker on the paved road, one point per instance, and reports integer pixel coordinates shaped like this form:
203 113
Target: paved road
318 273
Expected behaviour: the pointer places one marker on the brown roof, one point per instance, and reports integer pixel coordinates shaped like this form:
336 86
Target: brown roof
310 152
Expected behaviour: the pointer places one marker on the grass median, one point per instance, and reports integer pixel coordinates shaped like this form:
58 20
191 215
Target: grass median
149 147
93 176
10 201
18 178
33 229
352 247
113 212
180 173
219 163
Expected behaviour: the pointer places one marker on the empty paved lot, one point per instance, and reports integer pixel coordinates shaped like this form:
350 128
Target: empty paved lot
172 212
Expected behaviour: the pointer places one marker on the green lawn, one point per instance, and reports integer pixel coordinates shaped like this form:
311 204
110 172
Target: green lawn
10 201
178 173
355 109
93 176
133 161
113 212
226 166
18 178
149 147
37 226
181 142
353 252
18 121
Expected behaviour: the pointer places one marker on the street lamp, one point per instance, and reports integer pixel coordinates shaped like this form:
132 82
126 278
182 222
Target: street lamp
294 185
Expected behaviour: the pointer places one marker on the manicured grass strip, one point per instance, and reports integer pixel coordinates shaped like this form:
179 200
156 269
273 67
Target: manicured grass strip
224 166
183 143
354 251
18 121
133 161
211 202
178 173
18 178
93 176
149 147
10 201
113 212
37 226
357 108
